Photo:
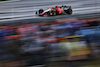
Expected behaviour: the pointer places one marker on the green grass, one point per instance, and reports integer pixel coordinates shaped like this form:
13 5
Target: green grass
3 0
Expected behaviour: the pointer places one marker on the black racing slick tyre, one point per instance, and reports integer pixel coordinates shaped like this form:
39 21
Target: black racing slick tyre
69 11
40 11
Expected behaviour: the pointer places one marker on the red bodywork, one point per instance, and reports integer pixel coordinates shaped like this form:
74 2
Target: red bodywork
46 11
57 9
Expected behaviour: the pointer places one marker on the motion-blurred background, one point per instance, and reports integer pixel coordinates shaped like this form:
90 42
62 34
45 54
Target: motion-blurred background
27 40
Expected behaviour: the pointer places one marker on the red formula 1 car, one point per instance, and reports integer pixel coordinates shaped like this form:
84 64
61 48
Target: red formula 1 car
55 11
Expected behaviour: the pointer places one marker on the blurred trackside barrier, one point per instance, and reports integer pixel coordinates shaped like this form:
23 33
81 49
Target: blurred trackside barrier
74 44
19 31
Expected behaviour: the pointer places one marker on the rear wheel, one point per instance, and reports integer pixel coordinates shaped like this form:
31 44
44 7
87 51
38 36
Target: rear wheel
69 11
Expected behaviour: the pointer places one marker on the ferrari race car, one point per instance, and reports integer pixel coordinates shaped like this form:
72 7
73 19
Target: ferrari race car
55 11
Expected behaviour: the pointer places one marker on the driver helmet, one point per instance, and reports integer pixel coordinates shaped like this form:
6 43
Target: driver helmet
56 6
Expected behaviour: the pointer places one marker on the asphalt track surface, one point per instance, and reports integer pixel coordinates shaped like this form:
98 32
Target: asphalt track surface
25 9
48 19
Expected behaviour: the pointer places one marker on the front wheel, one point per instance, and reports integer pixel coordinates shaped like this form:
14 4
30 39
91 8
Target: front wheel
40 11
